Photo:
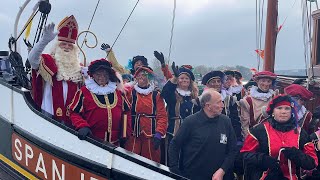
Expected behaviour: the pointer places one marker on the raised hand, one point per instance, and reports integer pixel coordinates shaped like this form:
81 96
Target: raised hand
159 56
105 47
48 33
175 69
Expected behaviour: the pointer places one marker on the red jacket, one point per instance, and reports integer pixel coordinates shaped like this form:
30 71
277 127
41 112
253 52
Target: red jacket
107 121
263 138
142 111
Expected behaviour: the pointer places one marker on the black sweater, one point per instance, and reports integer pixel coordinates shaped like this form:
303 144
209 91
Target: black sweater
206 144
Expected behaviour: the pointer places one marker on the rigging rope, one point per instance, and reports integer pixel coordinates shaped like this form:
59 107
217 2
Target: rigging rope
257 35
172 27
304 33
94 13
310 37
285 19
124 25
261 25
306 25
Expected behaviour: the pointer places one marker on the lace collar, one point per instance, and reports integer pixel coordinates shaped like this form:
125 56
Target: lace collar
144 91
236 89
93 87
183 92
224 94
228 91
301 112
261 96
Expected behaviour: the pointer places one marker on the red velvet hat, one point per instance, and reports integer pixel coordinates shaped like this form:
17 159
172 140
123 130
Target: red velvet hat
264 74
143 68
68 29
99 64
297 90
279 100
187 66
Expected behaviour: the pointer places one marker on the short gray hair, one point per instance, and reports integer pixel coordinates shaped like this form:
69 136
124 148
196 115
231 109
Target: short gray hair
204 98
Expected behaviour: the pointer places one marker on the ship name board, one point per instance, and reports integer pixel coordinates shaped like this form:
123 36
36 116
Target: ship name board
45 165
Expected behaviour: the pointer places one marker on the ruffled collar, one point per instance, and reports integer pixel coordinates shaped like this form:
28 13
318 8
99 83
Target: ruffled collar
301 112
224 94
261 96
283 127
236 89
144 91
183 92
229 91
93 87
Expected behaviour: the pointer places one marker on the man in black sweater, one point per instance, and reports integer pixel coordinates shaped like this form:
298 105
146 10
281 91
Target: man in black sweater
205 145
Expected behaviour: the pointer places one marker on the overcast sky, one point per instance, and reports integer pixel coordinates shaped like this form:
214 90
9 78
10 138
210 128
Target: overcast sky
209 32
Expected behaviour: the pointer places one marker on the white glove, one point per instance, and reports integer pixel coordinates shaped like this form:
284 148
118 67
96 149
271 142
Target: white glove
35 53
84 72
48 33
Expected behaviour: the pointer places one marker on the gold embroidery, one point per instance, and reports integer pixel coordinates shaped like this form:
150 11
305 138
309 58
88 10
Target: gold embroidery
45 72
268 138
68 111
96 100
125 121
59 112
76 98
109 107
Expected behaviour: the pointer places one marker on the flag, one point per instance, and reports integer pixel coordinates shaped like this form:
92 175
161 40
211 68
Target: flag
28 29
280 27
253 70
260 52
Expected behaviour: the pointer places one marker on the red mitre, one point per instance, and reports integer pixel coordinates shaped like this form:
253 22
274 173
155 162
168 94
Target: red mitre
68 29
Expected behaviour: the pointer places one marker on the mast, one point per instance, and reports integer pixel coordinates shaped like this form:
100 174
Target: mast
271 35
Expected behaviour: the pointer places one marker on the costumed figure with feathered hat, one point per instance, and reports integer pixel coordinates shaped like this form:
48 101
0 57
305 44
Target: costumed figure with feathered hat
278 147
301 95
179 93
149 116
237 88
100 107
252 104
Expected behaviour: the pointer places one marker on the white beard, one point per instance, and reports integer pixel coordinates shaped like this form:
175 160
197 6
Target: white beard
68 65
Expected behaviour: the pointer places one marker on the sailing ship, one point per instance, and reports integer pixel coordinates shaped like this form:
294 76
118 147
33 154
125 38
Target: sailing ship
36 146
312 78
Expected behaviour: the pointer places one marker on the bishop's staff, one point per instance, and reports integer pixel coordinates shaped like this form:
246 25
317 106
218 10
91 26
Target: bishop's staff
85 42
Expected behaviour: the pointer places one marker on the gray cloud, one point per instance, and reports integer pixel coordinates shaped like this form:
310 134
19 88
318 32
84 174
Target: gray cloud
213 35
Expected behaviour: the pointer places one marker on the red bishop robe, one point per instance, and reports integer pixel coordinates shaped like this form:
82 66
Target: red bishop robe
107 120
47 74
